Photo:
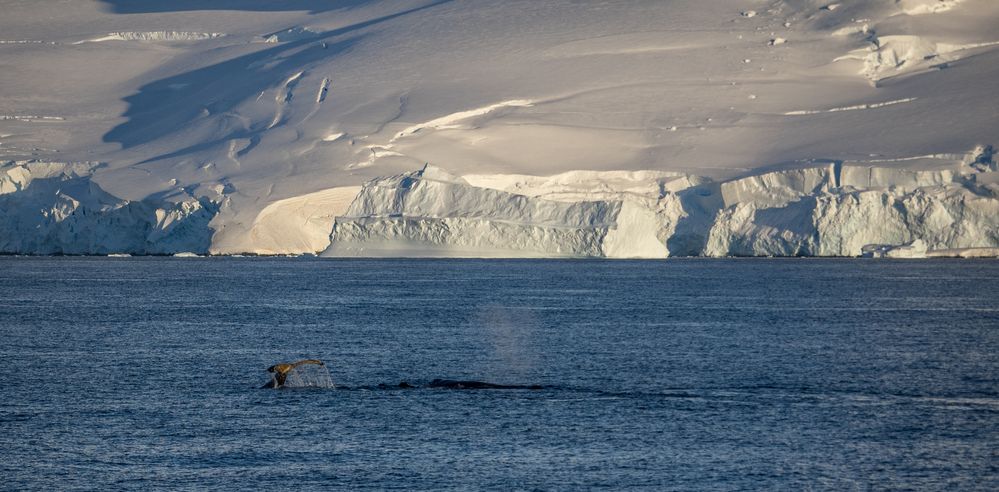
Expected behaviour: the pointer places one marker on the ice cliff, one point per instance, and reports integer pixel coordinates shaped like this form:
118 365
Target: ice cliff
52 208
433 213
841 221
827 209
834 209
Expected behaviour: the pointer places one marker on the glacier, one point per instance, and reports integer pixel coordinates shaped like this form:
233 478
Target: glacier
834 209
561 128
433 213
831 210
52 208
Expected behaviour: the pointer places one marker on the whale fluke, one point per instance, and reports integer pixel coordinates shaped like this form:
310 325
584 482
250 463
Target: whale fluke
287 375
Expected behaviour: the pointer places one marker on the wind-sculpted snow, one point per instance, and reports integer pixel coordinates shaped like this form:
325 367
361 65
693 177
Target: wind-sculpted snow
54 208
290 34
148 6
920 7
889 56
155 36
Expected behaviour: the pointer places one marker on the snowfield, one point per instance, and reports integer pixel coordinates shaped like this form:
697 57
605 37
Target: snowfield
556 128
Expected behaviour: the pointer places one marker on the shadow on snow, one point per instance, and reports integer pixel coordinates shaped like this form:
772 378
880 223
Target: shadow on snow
179 102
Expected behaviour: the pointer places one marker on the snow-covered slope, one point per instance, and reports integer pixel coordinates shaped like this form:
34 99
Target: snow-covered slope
639 129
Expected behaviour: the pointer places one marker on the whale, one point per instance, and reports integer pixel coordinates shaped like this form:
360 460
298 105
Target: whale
456 384
279 372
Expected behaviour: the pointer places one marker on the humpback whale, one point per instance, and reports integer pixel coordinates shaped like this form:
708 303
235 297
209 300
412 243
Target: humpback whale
454 384
279 372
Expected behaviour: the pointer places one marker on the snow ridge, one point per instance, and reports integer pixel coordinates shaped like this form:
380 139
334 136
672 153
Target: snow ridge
921 7
154 36
851 108
451 121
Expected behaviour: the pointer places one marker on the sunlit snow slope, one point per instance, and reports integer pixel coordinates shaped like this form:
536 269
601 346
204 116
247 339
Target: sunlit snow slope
553 127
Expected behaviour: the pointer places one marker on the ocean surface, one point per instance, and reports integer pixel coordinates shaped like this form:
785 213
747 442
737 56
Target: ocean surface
742 374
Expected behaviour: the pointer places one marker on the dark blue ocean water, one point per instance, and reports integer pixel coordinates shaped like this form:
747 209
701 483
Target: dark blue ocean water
683 374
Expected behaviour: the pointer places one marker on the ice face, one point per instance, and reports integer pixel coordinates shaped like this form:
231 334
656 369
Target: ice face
832 210
51 208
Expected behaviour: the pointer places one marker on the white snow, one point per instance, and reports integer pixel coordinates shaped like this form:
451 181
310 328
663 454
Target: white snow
324 88
920 7
24 41
776 189
154 36
29 118
450 122
889 56
290 34
296 225
801 112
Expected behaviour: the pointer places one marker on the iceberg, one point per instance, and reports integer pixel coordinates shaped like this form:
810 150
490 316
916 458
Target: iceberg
915 249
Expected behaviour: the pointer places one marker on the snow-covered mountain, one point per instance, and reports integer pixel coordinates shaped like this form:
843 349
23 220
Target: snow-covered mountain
551 128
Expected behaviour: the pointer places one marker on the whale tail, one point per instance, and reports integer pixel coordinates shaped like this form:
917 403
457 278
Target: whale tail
307 373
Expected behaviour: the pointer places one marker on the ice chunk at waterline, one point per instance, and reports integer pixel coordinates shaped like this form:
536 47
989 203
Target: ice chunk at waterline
308 373
915 249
